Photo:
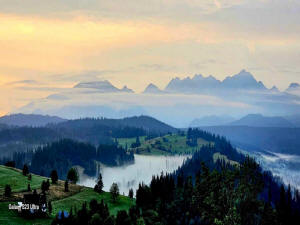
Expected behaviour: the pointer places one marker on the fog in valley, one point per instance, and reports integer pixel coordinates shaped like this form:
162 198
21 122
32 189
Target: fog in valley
131 175
284 166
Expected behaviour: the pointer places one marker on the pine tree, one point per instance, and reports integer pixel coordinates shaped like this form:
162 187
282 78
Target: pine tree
99 186
25 170
54 176
130 194
114 191
44 186
47 185
66 186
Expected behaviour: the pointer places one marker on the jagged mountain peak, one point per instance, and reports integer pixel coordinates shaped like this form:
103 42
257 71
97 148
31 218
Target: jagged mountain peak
274 89
293 86
153 89
126 89
244 80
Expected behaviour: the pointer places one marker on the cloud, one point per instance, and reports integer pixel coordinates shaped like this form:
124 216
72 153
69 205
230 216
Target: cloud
22 82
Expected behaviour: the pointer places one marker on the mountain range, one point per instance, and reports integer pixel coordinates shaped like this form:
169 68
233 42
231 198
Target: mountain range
258 120
200 84
250 120
181 101
243 81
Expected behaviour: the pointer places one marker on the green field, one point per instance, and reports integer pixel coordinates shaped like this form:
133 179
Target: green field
128 141
168 145
16 180
61 200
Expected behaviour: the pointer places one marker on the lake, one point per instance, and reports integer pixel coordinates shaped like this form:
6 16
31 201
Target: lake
130 176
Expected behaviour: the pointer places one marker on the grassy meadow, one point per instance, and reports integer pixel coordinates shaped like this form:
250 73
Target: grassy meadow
168 145
61 200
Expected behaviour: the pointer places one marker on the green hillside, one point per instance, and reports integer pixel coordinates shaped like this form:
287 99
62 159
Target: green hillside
61 200
168 145
16 180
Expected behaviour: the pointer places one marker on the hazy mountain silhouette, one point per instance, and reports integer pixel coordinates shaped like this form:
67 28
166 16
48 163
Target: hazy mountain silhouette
200 84
152 89
32 120
293 87
212 120
258 120
102 86
275 139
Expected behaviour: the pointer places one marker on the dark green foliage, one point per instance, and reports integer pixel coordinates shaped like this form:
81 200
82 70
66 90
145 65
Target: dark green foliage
114 191
61 156
97 214
28 187
113 155
73 175
25 170
54 176
49 207
99 186
10 164
123 218
137 143
7 191
44 186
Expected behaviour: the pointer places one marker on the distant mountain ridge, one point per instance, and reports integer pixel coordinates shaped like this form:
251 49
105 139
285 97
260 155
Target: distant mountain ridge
274 139
146 123
103 86
212 120
200 84
258 120
32 120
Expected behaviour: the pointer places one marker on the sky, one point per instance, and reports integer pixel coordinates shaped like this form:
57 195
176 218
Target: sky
50 45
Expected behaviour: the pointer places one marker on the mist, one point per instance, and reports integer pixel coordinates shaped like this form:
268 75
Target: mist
285 166
131 175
